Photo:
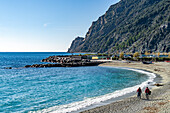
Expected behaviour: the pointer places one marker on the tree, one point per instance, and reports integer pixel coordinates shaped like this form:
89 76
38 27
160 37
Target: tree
153 53
121 55
146 53
136 54
127 53
158 54
164 53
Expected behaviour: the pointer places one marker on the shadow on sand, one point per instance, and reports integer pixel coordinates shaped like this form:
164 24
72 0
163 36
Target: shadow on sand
151 99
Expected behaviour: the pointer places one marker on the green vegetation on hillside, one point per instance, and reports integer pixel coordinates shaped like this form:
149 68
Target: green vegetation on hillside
129 26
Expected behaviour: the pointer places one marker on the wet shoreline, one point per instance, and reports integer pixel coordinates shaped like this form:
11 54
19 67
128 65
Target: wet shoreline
159 100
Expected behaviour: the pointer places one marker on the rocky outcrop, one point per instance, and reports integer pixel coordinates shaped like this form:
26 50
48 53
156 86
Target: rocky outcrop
65 61
76 44
129 26
75 64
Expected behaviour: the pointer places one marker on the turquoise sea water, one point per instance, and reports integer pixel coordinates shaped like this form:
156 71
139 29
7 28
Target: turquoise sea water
60 88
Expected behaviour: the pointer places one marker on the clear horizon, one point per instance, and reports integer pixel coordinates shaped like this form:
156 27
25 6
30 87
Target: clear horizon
46 26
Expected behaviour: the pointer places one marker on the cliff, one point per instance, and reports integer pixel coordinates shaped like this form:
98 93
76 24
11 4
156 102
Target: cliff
76 44
129 26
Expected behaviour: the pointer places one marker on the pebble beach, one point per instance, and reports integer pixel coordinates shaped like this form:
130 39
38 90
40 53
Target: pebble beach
159 101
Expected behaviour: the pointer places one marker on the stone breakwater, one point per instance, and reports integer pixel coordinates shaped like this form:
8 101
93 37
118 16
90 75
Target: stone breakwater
63 61
64 65
66 61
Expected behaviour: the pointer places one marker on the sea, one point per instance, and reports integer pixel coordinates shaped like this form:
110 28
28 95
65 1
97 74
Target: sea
61 89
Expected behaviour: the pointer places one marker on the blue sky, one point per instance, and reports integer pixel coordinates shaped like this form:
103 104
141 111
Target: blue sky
46 25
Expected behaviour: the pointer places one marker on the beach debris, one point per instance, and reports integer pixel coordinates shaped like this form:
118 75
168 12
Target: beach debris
162 103
156 69
147 62
154 109
157 84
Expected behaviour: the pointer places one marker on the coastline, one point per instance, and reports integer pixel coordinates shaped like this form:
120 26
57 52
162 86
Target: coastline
159 99
106 99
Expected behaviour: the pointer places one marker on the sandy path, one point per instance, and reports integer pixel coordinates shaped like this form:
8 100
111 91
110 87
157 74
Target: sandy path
159 100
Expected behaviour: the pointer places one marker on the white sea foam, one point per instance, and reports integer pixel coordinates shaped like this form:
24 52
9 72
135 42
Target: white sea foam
72 107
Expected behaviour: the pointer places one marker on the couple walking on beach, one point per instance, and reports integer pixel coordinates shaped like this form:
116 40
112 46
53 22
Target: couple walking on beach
147 92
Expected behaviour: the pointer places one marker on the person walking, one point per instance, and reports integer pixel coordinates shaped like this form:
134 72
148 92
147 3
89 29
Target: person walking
139 91
147 91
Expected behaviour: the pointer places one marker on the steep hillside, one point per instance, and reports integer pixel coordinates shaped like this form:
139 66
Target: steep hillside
129 25
76 44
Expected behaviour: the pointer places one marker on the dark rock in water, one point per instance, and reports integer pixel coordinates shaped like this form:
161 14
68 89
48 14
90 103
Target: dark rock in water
8 67
27 66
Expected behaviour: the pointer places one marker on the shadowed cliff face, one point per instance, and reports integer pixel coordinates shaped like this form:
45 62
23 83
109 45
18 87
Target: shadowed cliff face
130 25
76 44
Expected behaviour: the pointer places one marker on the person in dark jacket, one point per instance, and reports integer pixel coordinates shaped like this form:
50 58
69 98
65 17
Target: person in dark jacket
147 93
139 91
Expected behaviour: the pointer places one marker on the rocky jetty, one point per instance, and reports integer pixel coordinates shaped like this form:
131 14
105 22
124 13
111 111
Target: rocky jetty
65 61
64 65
